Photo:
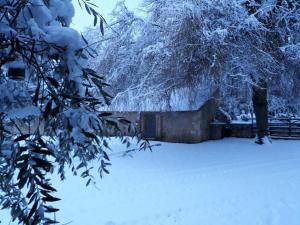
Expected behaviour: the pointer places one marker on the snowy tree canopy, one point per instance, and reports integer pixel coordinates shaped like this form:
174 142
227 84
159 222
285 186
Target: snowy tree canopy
175 56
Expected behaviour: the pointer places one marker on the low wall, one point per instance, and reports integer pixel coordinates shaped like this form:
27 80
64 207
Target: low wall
221 130
242 130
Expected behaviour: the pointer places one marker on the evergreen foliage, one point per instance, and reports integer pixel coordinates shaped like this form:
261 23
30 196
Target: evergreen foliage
49 105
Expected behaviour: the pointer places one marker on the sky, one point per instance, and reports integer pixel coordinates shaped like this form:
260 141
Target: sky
82 19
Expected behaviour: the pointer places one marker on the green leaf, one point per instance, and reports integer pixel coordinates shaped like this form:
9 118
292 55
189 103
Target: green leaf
23 172
88 134
105 84
88 183
104 114
95 20
124 121
112 123
6 204
85 174
105 144
105 156
31 190
105 170
22 137
33 197
53 82
50 221
42 163
36 220
87 8
21 158
22 182
45 193
50 199
47 187
33 210
42 143
83 38
79 4
83 164
92 73
43 152
102 27
47 110
36 95
50 209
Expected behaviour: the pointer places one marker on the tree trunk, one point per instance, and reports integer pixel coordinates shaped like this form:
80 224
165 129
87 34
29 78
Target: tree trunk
260 105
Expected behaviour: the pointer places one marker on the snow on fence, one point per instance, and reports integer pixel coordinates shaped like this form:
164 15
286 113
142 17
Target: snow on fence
279 128
285 128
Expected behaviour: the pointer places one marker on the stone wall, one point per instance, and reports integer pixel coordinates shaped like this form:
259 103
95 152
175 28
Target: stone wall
242 130
176 126
182 126
124 129
221 130
207 114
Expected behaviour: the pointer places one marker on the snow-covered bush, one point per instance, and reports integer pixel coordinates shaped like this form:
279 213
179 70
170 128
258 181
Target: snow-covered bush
49 105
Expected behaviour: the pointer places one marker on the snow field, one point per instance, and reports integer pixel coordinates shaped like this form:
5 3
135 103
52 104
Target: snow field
226 182
232 181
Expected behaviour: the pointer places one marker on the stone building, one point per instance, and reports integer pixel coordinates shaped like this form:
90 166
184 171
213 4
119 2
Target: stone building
173 126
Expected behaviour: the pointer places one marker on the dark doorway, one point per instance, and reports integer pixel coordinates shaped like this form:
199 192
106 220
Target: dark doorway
149 126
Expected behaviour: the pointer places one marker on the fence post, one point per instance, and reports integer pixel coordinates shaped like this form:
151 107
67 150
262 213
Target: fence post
252 123
269 125
290 128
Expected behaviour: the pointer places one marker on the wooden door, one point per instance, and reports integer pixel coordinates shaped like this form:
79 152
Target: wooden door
150 128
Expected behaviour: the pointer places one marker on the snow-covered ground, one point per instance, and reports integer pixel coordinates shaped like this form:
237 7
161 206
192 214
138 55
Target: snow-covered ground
226 182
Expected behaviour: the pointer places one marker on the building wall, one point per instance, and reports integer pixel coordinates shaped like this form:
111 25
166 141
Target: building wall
182 126
208 113
124 128
177 126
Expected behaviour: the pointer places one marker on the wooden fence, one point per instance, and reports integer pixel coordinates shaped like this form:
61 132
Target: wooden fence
279 128
282 128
